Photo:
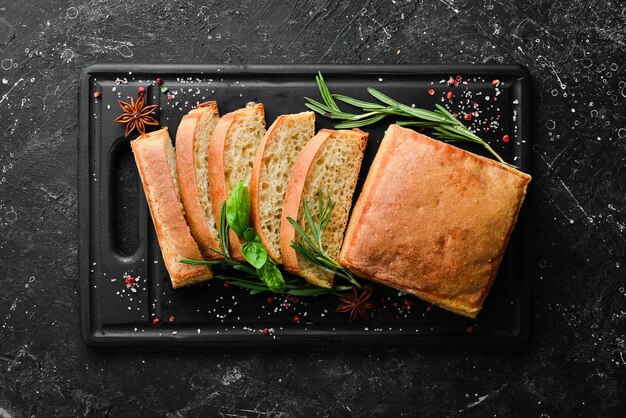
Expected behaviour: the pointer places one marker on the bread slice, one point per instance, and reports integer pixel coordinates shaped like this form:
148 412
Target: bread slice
233 147
329 162
433 220
156 162
192 159
270 175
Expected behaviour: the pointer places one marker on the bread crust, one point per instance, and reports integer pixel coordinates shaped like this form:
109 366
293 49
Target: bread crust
189 193
293 197
448 216
256 179
169 222
217 177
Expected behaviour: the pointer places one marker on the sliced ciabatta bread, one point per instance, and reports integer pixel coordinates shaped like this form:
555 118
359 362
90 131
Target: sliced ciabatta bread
330 163
156 162
270 175
233 147
192 159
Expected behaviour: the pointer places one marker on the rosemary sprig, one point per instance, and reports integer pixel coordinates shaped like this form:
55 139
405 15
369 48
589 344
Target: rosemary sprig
294 286
444 125
261 273
310 246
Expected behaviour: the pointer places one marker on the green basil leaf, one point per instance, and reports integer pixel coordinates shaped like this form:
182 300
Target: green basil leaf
272 277
254 253
238 209
250 235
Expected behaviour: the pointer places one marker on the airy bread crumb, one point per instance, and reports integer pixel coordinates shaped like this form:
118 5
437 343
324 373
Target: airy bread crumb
330 163
271 172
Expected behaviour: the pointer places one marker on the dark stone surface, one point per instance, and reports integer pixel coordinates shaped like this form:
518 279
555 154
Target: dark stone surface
575 360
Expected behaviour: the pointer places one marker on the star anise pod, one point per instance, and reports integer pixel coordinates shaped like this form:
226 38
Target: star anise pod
356 303
136 115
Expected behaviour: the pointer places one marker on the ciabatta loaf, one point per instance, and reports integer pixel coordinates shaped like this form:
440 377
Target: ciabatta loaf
433 220
192 159
233 147
156 162
330 163
270 175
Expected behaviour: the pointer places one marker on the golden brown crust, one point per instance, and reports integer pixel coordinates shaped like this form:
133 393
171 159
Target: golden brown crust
172 231
185 169
217 177
433 220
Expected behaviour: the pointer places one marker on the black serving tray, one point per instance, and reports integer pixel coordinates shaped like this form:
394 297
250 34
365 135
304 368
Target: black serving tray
117 236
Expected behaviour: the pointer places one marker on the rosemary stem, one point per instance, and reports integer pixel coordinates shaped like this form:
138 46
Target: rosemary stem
495 154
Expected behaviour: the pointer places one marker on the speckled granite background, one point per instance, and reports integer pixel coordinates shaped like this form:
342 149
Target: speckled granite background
574 363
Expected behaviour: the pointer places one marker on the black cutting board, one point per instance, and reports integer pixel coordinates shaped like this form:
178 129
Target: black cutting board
117 236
